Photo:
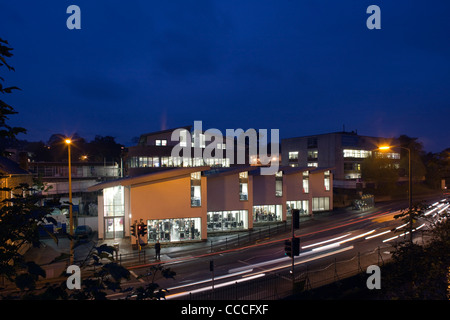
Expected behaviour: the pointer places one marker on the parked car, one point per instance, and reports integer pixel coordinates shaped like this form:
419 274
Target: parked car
83 232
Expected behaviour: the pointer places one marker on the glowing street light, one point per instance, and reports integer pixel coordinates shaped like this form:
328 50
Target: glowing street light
68 142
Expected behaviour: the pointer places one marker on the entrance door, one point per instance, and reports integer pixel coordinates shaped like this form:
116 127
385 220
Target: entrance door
114 228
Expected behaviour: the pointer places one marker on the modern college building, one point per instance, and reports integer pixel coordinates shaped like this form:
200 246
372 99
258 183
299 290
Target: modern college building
188 203
343 151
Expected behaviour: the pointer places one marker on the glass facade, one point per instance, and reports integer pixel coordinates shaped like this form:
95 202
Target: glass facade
165 230
227 220
267 213
326 180
196 189
114 212
166 161
321 204
356 153
279 184
302 205
305 182
243 185
293 155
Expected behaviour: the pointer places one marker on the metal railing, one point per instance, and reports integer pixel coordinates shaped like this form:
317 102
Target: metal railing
276 286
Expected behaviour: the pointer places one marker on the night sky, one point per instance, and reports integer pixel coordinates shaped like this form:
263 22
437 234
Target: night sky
304 67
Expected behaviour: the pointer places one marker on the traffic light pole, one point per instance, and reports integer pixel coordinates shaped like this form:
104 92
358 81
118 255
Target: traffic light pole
292 255
295 225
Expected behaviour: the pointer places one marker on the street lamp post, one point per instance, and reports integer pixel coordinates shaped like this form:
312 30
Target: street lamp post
383 148
68 142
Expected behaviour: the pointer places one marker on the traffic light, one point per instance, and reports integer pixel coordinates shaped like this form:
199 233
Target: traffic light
292 247
133 230
288 248
296 218
142 229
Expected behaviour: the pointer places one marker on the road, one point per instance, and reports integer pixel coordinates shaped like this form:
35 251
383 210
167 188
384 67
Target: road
337 236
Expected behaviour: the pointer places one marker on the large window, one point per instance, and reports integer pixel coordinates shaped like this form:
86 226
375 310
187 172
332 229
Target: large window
321 204
279 184
305 181
114 212
312 142
388 155
326 180
114 203
166 230
227 220
196 191
267 213
313 154
356 153
302 205
293 155
243 185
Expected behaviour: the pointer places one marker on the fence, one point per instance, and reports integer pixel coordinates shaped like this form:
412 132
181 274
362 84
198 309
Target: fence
275 286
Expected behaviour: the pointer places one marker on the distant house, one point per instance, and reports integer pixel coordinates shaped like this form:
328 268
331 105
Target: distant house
11 176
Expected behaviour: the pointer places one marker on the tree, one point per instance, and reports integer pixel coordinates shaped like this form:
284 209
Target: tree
437 168
417 152
21 219
6 131
421 272
380 171
104 148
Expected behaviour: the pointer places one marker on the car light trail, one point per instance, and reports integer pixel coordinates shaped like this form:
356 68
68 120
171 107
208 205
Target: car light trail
326 241
220 285
304 261
357 237
210 279
377 235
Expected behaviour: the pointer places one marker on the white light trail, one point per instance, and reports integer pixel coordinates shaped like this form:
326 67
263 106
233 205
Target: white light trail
356 237
378 234
220 285
326 241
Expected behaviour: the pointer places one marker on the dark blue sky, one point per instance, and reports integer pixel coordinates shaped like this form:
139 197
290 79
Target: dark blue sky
304 67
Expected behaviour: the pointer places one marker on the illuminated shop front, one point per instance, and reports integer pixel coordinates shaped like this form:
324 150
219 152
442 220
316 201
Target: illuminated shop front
267 213
227 220
302 205
114 212
167 230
